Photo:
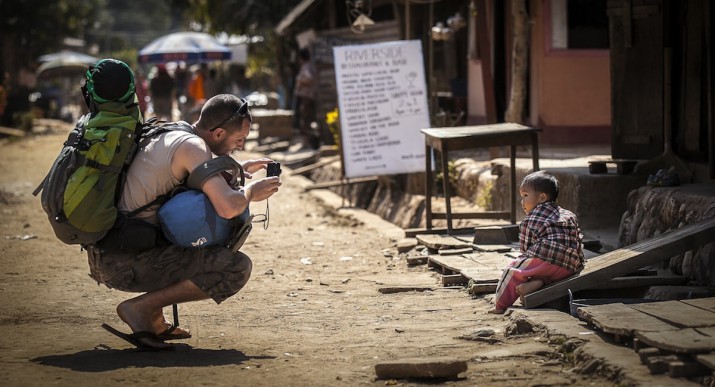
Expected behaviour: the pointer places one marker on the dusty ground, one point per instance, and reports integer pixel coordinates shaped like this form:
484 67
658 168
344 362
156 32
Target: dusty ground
295 324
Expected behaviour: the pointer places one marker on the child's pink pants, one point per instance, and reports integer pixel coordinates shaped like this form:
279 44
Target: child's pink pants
522 270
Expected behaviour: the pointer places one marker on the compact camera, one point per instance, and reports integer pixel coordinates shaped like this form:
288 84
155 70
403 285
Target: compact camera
273 169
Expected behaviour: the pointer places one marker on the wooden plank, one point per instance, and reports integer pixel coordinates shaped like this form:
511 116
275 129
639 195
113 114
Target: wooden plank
646 353
454 279
620 319
687 369
625 260
482 275
493 248
492 267
500 234
413 232
405 289
707 359
678 313
465 250
321 163
423 367
12 131
481 267
337 183
659 364
473 215
482 288
702 303
455 263
688 340
439 242
641 281
416 261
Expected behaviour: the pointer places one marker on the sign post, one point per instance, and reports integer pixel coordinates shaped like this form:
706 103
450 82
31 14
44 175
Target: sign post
382 97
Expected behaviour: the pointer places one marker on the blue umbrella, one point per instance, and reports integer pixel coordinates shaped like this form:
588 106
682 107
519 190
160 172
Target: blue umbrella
189 47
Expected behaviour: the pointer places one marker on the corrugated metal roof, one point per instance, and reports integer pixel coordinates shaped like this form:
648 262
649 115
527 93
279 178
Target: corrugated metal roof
293 15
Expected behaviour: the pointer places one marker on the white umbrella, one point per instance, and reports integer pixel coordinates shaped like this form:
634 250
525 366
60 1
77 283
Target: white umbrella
67 55
64 63
190 47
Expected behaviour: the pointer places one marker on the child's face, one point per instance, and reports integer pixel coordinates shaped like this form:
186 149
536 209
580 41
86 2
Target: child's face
530 198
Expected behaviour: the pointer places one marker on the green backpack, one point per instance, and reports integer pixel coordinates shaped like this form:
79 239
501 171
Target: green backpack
82 188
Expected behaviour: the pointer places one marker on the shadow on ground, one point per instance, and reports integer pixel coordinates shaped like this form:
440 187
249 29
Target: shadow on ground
101 359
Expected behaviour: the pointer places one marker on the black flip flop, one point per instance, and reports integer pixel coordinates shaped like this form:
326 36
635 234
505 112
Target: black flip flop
144 341
168 334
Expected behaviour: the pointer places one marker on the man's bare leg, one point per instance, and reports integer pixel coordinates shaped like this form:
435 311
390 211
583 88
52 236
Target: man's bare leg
145 312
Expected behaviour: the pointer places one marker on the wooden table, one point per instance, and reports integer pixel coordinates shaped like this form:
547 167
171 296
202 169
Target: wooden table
469 137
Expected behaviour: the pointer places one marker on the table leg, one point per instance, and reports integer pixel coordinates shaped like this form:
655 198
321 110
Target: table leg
512 185
445 183
428 187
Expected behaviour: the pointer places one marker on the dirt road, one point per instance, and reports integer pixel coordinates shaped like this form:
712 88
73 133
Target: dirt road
311 314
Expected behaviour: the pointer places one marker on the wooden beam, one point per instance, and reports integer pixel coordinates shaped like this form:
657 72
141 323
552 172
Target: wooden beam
337 183
453 279
641 281
321 163
411 232
630 258
473 215
12 131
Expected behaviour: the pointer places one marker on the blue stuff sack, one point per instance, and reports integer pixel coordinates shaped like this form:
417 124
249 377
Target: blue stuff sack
189 220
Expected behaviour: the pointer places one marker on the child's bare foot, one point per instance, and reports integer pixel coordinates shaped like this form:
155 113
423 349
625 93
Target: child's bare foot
528 287
496 311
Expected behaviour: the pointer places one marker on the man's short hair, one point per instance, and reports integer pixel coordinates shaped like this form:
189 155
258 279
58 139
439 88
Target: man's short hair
542 182
223 110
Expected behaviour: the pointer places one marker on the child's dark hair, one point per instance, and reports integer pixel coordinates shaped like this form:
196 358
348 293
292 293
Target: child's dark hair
541 181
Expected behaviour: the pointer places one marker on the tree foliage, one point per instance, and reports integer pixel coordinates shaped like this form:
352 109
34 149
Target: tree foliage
34 27
242 17
30 28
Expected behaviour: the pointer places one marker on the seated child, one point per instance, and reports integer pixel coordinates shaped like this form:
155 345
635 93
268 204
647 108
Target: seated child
550 243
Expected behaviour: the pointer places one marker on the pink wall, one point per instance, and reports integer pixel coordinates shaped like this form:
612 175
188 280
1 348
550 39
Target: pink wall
569 90
570 96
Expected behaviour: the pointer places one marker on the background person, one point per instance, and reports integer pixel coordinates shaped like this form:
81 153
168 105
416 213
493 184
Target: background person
163 90
305 92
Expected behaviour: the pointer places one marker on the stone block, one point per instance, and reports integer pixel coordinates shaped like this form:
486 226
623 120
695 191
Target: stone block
437 367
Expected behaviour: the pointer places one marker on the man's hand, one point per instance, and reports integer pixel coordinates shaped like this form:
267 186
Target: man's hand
262 189
253 166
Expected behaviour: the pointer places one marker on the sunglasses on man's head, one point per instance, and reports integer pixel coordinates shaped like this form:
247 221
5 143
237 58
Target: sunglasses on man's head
241 112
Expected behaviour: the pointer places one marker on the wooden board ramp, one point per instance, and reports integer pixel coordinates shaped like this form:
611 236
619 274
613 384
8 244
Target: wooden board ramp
628 259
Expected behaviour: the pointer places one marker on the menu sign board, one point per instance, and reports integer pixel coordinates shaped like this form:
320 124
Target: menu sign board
382 97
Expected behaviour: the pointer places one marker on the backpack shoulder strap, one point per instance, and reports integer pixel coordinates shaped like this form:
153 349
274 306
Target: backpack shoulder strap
198 176
153 127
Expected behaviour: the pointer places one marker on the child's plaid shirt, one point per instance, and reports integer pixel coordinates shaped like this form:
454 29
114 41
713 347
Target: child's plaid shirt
551 234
